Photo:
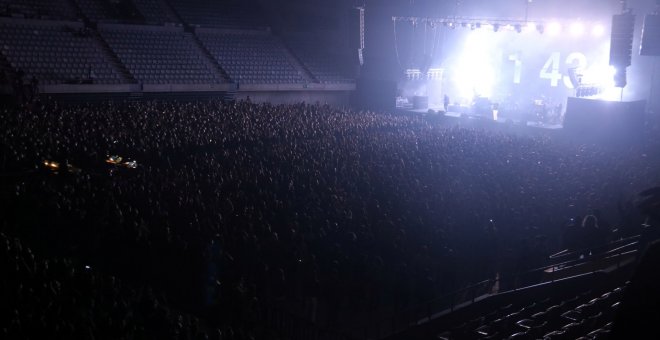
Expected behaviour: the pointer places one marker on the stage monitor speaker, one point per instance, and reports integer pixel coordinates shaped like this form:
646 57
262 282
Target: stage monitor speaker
650 45
420 102
621 40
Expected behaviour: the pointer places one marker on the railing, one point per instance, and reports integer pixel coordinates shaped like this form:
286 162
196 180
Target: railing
603 247
419 314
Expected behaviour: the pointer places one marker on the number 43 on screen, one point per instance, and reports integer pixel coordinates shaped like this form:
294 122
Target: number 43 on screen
550 69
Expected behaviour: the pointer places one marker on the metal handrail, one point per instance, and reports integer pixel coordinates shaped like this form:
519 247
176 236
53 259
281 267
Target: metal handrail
471 298
567 252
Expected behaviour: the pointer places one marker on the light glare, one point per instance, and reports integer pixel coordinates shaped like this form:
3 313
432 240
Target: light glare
598 30
530 27
474 73
554 29
577 29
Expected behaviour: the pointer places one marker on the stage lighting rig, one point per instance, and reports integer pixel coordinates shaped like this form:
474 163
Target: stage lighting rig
552 28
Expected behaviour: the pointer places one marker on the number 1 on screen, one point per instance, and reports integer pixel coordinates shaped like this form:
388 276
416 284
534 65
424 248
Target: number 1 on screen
517 68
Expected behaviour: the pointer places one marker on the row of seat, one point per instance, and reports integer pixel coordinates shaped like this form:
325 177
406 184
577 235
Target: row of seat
94 10
164 53
155 11
321 62
220 14
586 316
38 9
251 58
52 53
163 56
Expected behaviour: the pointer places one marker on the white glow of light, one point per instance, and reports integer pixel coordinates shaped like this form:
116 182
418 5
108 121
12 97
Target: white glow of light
598 30
601 75
474 72
577 29
553 29
612 94
530 27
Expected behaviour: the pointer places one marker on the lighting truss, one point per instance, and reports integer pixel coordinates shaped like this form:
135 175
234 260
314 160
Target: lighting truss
497 24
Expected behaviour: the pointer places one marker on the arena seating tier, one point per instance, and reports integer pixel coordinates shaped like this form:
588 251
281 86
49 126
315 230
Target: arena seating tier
322 63
159 56
43 9
220 14
55 52
251 58
155 11
588 315
95 10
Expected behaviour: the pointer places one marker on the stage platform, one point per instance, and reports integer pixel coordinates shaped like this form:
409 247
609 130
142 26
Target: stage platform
439 113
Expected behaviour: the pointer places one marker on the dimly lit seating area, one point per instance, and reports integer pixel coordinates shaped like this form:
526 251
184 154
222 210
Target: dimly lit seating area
587 315
251 57
151 53
159 55
220 14
37 9
96 10
54 52
156 11
322 61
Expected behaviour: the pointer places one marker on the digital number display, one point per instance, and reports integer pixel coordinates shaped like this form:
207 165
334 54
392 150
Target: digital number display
527 66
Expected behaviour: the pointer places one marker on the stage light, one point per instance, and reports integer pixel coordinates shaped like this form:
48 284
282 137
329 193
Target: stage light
577 29
540 28
530 27
598 30
609 91
474 72
554 28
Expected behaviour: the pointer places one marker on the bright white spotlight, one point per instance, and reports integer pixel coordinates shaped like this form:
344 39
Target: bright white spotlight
474 73
598 30
553 28
577 29
530 27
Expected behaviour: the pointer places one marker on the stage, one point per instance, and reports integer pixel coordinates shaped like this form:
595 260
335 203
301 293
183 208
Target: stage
438 112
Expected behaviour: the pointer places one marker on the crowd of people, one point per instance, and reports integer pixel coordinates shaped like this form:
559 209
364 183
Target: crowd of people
233 209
